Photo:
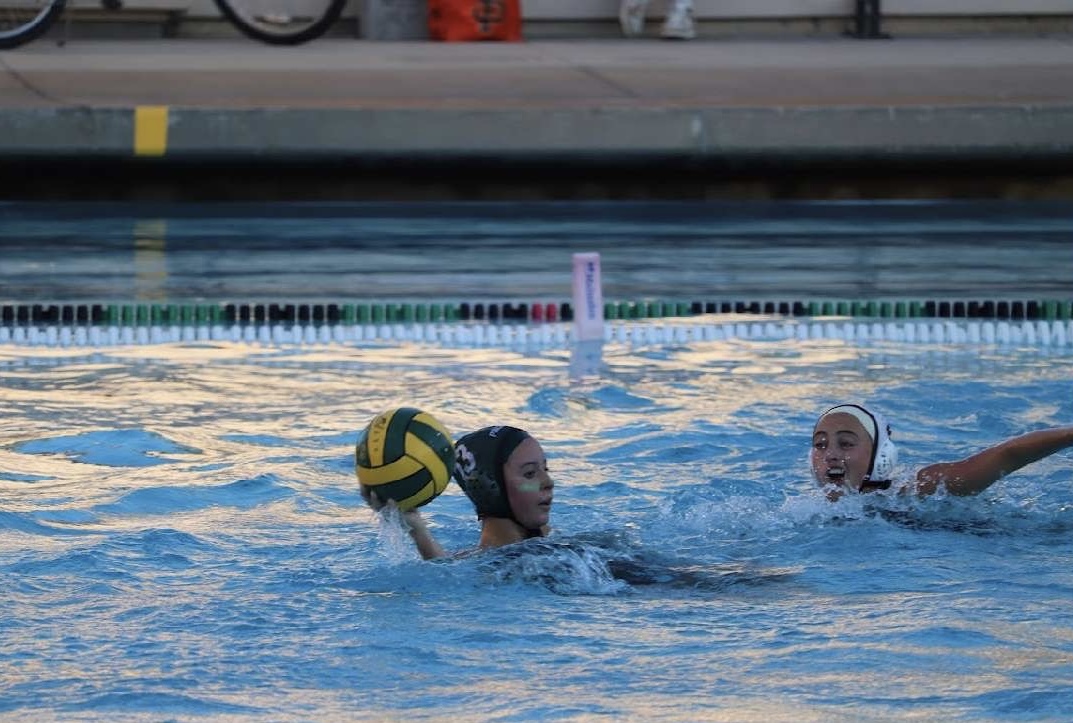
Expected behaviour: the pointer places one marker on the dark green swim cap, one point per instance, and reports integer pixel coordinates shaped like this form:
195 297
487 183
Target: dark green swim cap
479 460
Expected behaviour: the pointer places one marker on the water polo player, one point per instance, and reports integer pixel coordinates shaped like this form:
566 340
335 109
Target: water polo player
504 472
852 450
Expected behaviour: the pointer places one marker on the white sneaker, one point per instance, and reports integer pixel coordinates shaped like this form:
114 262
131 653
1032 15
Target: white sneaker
679 22
631 16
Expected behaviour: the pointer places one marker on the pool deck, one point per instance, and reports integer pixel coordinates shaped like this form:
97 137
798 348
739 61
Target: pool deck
783 99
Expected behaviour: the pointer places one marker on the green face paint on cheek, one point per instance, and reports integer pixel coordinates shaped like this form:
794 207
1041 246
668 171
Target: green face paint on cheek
529 486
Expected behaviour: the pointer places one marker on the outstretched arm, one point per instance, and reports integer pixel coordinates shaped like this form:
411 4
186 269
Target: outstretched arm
978 472
423 539
415 525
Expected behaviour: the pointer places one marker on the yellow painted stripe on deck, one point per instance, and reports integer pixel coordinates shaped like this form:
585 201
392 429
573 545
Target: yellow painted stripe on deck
150 130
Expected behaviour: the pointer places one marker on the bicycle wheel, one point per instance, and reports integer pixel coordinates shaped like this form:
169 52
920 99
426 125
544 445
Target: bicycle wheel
24 20
281 22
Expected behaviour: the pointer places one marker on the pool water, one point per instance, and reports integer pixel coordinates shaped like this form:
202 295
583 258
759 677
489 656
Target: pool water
181 537
179 253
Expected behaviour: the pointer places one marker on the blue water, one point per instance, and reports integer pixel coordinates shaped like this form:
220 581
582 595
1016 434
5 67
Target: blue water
181 538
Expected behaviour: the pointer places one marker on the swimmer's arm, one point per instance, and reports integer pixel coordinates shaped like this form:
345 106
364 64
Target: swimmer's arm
976 473
415 525
423 539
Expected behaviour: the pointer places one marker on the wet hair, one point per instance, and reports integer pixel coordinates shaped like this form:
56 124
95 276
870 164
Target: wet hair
884 452
479 460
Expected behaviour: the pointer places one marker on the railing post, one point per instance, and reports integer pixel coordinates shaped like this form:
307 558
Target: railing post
868 20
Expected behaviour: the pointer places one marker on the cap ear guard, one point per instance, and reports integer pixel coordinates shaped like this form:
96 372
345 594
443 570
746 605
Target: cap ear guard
477 481
886 458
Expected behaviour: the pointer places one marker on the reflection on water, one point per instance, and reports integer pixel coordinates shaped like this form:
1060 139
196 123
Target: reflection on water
336 252
181 536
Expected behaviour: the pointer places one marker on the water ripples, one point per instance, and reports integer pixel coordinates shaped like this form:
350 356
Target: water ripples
181 536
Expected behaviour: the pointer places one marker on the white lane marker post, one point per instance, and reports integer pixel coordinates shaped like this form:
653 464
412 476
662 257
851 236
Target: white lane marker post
588 298
586 354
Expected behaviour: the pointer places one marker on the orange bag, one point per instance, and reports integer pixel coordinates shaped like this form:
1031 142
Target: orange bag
463 20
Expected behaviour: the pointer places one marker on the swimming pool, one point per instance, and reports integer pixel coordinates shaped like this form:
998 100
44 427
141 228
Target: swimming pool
181 536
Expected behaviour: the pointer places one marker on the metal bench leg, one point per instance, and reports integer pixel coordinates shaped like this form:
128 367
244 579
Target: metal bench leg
869 17
62 40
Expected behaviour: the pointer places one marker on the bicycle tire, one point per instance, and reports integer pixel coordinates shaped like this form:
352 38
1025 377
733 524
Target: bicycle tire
24 20
277 23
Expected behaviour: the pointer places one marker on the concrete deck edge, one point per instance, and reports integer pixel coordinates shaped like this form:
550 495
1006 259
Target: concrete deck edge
897 133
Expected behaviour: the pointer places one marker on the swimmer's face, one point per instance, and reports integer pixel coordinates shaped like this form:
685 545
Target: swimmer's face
529 487
841 451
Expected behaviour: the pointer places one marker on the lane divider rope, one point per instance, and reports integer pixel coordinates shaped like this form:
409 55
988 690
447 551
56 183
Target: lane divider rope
1038 333
225 313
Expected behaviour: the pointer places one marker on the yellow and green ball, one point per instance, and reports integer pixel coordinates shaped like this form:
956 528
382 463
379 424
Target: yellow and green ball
405 455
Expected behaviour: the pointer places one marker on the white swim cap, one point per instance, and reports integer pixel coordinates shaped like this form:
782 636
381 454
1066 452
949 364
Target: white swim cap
884 452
